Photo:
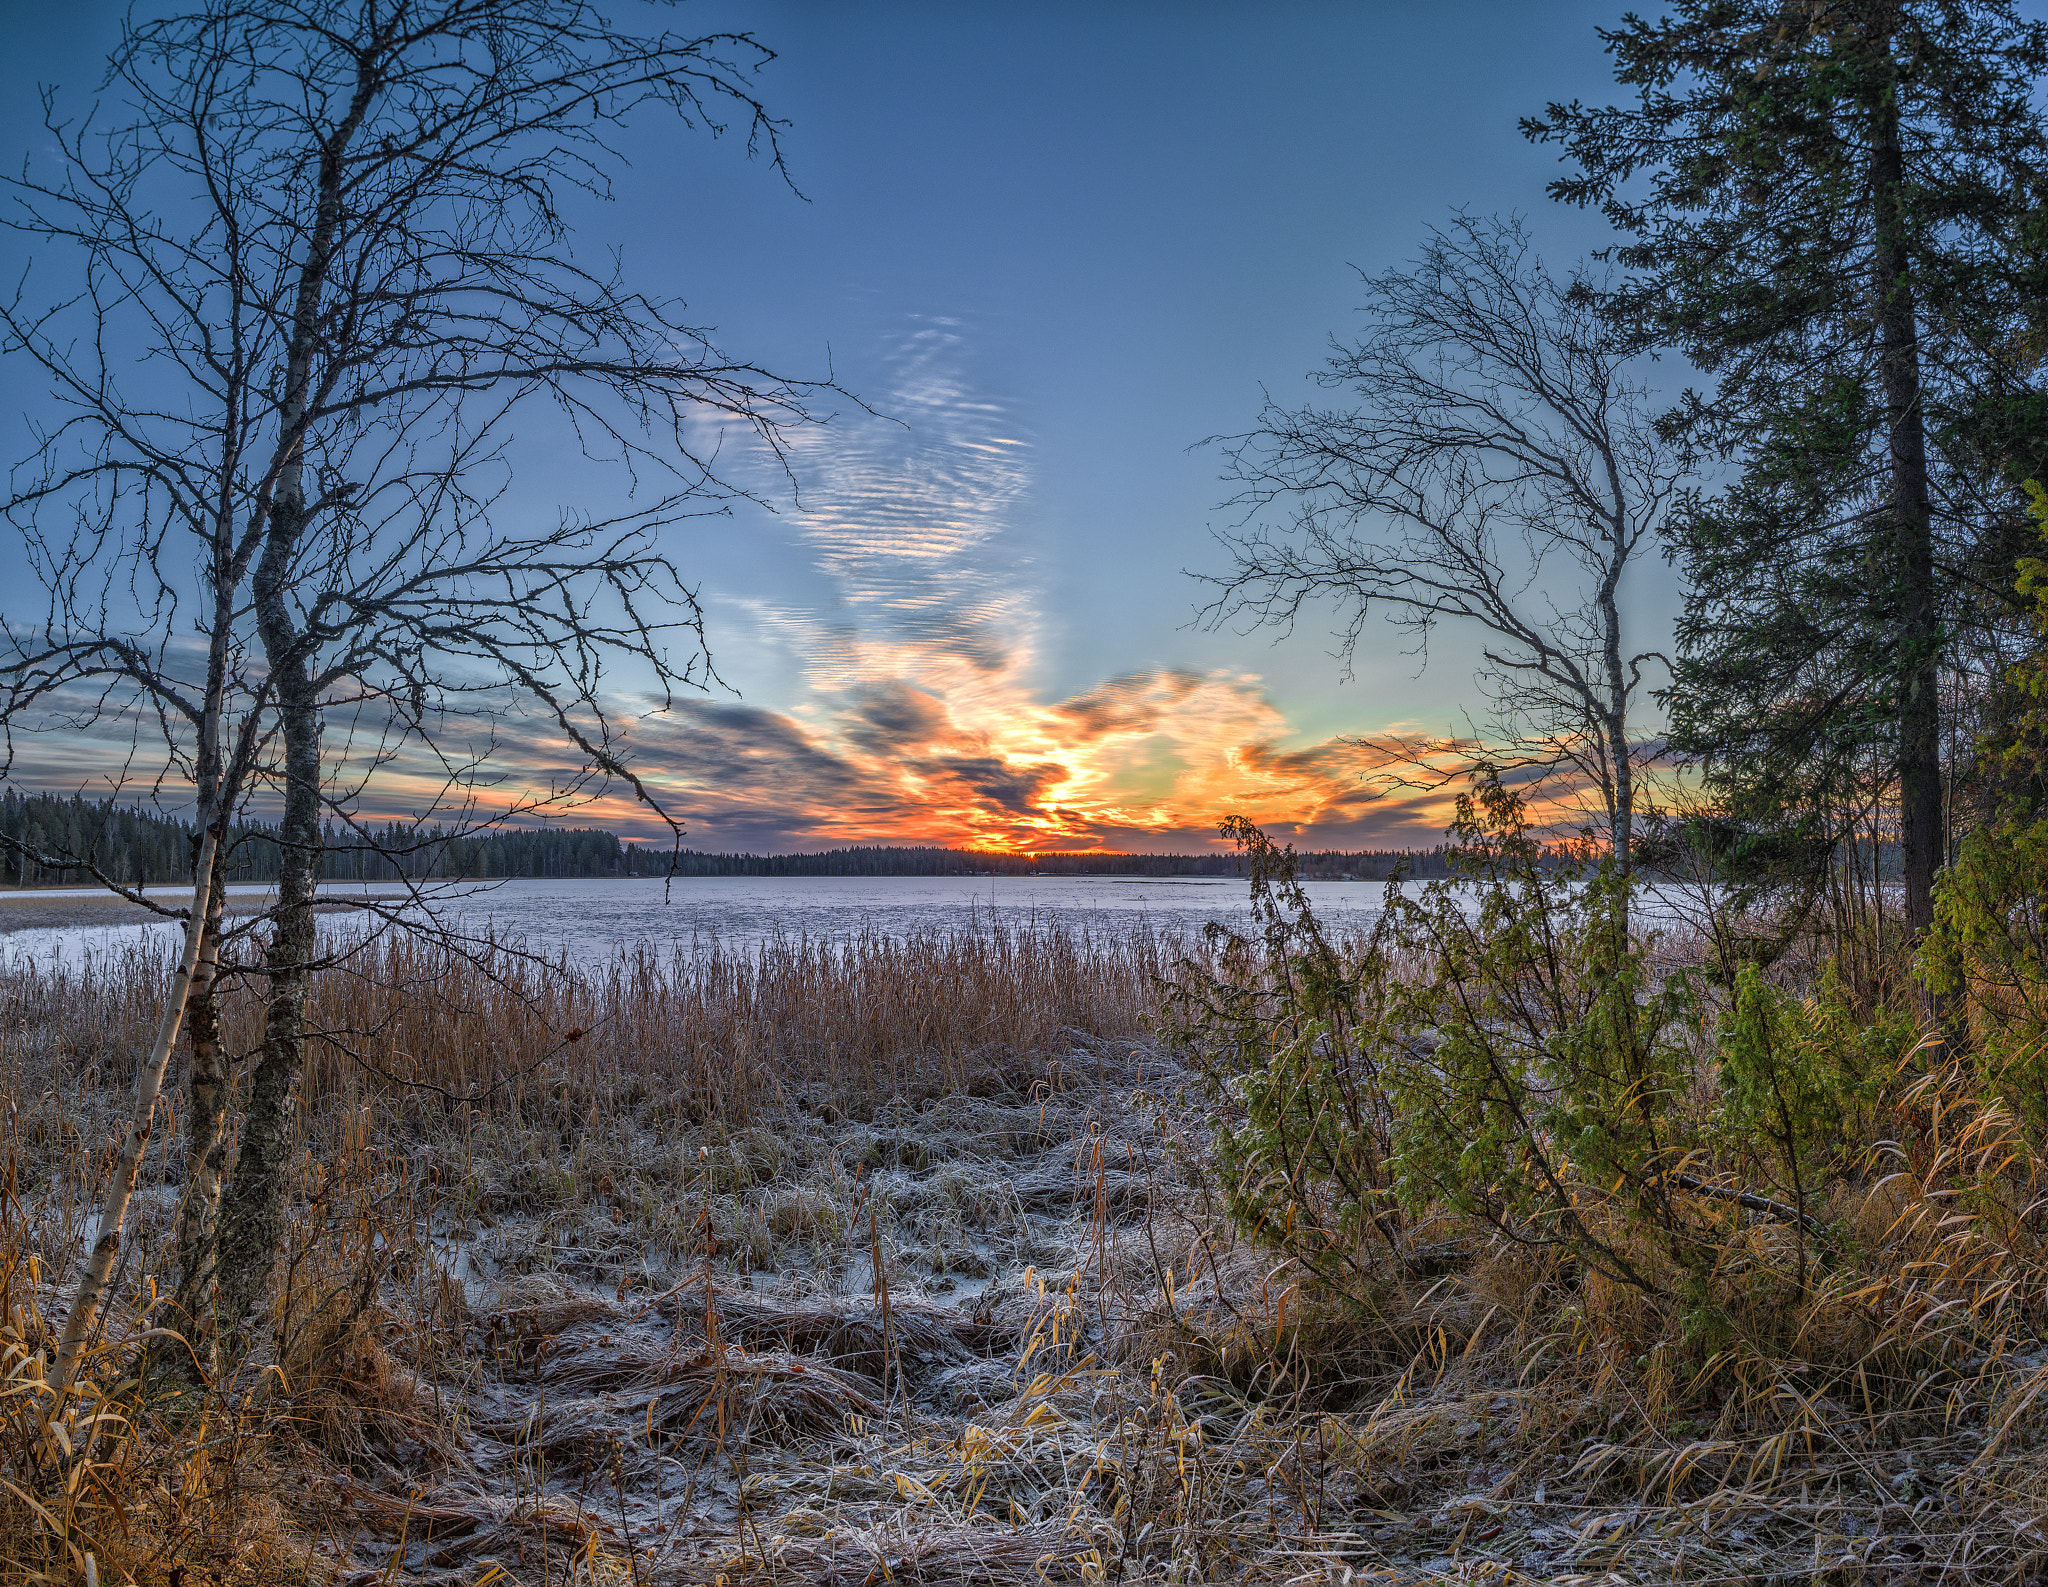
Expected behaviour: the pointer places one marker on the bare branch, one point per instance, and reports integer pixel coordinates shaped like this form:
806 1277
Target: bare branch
1499 471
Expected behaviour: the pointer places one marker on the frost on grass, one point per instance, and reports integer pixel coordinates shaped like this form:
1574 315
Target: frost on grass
996 1331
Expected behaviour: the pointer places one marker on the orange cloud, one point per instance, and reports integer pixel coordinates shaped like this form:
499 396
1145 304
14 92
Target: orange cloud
1149 761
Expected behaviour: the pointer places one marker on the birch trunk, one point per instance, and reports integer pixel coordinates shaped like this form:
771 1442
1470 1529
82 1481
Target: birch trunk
206 1141
251 1224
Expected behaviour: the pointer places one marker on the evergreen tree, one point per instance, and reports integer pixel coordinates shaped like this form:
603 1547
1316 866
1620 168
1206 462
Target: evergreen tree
1834 207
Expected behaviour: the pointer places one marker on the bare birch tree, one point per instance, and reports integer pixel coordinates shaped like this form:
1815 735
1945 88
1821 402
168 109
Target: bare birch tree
313 273
1498 472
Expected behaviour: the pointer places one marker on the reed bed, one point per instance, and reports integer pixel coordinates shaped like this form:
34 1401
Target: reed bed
845 1023
855 1018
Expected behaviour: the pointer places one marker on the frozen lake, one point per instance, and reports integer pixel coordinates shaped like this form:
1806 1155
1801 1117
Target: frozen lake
594 920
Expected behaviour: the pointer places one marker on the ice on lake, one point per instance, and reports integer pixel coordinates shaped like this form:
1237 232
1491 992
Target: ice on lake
592 921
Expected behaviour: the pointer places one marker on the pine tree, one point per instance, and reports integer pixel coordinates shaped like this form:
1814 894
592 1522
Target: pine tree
1835 212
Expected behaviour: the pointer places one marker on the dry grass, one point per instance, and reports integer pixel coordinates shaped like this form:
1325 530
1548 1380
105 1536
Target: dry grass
612 1128
898 1262
733 1037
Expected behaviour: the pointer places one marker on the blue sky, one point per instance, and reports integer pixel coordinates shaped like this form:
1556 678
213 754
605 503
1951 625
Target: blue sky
1054 246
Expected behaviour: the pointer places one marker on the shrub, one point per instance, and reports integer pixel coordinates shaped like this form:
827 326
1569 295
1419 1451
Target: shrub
1988 950
1303 1144
1793 1073
1496 1050
1534 1065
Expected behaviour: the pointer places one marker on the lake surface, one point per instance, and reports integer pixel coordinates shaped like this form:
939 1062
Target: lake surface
592 921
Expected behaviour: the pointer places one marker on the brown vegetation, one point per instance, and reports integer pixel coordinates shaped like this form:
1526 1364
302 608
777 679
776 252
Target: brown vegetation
902 1261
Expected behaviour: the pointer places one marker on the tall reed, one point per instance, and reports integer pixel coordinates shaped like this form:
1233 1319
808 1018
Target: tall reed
846 1023
728 1032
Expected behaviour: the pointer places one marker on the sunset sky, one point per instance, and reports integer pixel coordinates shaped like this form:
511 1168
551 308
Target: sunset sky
1053 247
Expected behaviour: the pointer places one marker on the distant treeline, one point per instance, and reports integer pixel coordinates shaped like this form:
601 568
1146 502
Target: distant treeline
1364 865
133 845
142 847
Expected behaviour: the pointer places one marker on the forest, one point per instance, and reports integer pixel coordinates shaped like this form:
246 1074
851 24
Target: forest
66 842
58 842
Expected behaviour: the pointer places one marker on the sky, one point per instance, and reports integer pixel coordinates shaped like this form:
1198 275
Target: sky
1052 247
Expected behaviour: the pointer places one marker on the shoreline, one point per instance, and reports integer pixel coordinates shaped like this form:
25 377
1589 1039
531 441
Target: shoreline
31 909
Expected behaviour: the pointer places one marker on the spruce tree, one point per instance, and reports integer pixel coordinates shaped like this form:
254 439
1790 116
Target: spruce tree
1834 208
